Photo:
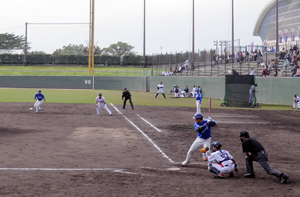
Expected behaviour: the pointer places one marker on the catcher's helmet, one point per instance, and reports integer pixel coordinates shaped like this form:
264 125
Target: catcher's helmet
217 144
100 94
244 134
198 116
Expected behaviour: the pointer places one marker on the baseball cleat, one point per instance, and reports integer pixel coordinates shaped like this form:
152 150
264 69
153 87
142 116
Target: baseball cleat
184 164
283 178
231 174
249 175
219 176
111 114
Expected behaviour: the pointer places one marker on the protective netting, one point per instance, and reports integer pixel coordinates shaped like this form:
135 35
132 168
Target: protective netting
237 90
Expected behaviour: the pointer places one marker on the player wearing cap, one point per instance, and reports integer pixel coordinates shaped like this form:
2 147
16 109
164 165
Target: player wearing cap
126 94
255 152
101 102
160 88
220 161
198 101
252 94
39 97
202 126
296 100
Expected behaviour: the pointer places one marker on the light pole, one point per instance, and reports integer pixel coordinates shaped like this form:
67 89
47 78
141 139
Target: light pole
232 39
193 40
144 37
277 47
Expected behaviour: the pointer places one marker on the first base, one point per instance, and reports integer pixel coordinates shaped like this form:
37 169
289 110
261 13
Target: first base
119 113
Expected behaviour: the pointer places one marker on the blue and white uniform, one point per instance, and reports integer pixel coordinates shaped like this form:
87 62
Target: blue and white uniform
101 102
223 160
296 100
198 101
203 139
39 97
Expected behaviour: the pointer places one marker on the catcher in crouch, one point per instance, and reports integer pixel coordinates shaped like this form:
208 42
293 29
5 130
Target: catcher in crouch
224 161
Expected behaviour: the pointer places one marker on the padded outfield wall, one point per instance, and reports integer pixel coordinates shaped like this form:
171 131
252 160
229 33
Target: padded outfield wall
270 90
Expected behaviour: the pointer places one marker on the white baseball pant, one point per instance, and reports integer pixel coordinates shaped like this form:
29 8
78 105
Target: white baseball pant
104 106
176 95
294 105
228 166
37 105
198 105
198 143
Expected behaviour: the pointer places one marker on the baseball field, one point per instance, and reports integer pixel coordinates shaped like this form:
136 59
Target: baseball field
67 150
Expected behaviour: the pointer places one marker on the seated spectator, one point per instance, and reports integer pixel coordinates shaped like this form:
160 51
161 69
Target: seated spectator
252 71
171 72
297 74
266 72
270 66
272 50
186 64
294 70
165 73
286 63
234 72
180 69
192 67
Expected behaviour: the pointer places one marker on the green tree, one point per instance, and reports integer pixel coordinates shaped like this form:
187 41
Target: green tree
71 49
11 41
119 49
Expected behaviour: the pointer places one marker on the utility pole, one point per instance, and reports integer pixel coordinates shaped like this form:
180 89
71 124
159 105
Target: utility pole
193 41
232 40
25 46
91 37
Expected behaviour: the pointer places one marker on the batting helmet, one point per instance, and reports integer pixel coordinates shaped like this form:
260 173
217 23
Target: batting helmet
244 134
217 144
198 116
197 90
100 94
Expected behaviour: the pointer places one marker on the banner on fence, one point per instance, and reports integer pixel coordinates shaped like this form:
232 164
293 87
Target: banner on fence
293 34
286 35
280 36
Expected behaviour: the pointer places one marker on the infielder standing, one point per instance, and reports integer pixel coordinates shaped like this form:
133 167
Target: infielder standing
255 152
252 94
160 88
296 100
198 101
101 102
224 162
203 139
126 94
39 97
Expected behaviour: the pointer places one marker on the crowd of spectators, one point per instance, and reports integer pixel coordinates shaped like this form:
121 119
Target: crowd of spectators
180 69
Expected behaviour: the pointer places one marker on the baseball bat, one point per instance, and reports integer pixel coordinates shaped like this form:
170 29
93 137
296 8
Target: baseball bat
209 109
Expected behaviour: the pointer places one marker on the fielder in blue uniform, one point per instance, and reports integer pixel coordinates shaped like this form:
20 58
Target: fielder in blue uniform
198 101
39 97
202 126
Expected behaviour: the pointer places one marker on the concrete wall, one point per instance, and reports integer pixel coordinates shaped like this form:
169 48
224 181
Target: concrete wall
270 90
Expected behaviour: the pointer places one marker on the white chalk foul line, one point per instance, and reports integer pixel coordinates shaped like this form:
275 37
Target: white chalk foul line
115 108
144 134
149 123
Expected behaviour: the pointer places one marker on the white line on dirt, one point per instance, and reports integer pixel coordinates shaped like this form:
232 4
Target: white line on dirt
149 123
115 108
144 134
59 169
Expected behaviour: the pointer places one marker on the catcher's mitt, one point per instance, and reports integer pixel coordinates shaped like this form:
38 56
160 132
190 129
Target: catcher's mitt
203 150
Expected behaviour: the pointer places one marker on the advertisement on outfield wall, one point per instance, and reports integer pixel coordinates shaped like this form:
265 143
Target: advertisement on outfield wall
280 36
286 35
293 34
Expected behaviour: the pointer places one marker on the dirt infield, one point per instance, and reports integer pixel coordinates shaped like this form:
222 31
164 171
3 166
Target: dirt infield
67 150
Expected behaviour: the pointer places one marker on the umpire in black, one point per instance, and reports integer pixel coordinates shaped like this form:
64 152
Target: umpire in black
255 152
126 94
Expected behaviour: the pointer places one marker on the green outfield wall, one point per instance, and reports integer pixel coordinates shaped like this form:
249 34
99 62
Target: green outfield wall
270 90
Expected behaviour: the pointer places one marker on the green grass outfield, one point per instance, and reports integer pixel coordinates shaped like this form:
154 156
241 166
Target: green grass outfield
72 71
112 96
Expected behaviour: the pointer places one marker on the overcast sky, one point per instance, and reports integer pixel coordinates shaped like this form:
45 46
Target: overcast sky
168 22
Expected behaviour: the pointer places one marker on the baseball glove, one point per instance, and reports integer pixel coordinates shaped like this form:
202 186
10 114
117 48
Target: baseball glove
203 150
158 88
